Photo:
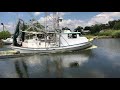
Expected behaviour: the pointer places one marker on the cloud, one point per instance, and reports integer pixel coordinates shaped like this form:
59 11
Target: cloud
10 26
103 18
61 14
72 24
50 19
37 13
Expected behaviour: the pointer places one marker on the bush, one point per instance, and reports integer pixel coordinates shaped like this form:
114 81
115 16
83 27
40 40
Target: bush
4 34
113 33
106 33
117 26
95 29
116 34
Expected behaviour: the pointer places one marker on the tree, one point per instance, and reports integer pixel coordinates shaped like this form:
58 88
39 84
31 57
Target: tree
78 29
103 26
95 29
87 28
65 28
5 34
117 26
112 23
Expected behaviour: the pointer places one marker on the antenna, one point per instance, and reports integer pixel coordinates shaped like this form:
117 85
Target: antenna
54 20
58 20
45 20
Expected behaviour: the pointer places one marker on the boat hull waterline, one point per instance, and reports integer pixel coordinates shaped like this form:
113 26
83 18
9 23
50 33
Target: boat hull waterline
54 49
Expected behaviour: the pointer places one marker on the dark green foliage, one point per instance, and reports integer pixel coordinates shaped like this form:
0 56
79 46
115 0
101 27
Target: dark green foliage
117 26
95 29
103 26
65 28
78 29
111 24
87 28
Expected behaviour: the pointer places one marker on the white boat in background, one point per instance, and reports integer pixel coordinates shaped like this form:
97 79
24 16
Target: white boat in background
46 41
7 41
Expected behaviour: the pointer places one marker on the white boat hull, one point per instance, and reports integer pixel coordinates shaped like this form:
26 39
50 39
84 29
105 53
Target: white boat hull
69 48
8 41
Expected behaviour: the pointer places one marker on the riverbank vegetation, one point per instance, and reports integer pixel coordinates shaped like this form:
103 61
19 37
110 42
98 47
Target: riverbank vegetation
105 34
112 33
110 29
5 34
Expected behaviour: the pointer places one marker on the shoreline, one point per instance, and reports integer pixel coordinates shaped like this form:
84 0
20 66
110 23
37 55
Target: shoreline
99 37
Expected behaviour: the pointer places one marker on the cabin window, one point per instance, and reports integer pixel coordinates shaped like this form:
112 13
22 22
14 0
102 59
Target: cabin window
80 34
72 35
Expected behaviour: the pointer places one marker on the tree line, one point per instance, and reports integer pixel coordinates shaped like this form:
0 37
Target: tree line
111 25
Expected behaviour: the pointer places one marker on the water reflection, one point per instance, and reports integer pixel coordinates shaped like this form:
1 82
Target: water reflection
21 69
49 65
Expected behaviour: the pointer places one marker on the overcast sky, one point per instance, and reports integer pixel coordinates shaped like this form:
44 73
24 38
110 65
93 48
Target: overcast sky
70 19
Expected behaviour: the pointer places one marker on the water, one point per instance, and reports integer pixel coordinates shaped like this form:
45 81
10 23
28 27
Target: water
101 62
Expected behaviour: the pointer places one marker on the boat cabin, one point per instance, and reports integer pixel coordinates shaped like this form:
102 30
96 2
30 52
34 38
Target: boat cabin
72 38
52 39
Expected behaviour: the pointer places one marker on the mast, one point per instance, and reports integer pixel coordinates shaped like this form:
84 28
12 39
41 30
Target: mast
54 26
58 28
45 28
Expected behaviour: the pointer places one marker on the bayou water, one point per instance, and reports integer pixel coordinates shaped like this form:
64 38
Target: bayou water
100 62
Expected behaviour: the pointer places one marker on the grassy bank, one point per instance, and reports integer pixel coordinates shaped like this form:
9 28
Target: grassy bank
110 33
97 36
105 34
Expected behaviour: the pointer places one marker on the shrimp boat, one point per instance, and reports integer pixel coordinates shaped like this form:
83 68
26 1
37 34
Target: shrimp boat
43 40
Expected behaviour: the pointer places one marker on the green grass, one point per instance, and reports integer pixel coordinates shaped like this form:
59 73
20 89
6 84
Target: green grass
105 34
112 33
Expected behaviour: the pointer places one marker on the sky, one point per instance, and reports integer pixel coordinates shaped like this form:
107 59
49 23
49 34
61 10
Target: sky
70 19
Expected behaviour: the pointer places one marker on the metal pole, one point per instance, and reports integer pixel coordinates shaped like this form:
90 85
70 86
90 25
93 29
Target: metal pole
45 28
58 27
3 27
55 25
